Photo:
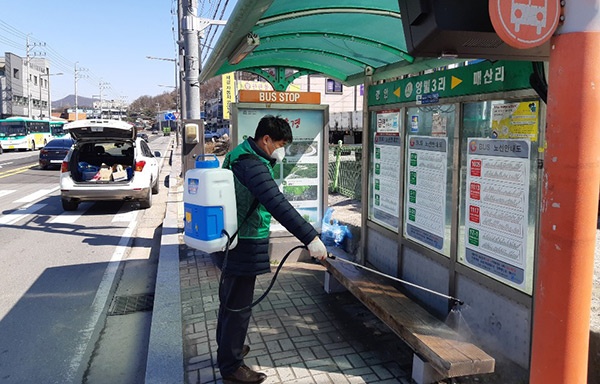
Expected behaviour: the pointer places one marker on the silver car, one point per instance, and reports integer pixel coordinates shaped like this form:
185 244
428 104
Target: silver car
108 162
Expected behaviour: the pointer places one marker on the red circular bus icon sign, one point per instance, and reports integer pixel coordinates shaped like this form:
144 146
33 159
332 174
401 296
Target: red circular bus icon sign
524 23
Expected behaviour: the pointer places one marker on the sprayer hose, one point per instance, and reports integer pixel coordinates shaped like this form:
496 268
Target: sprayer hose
262 297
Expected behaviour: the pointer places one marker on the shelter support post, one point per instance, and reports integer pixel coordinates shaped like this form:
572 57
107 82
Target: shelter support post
563 287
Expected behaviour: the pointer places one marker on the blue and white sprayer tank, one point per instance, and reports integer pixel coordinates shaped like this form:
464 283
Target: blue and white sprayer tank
209 205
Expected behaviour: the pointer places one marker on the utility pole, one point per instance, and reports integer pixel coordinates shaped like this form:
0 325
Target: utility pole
180 56
191 60
28 51
192 83
191 28
77 76
48 89
103 85
76 113
158 117
122 102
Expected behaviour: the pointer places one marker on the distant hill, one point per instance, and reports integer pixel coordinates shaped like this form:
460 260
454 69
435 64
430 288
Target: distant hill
69 101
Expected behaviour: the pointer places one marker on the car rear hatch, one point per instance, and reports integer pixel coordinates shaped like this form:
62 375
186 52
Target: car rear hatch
100 129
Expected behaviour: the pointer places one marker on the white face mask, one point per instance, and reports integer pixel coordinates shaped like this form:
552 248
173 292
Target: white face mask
278 154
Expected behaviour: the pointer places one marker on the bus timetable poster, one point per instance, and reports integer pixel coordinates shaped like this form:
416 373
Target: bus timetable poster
386 169
425 207
497 208
300 175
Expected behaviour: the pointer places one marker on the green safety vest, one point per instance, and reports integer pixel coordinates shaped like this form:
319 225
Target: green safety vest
258 224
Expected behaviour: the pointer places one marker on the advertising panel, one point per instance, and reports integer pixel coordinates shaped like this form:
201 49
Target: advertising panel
515 120
300 175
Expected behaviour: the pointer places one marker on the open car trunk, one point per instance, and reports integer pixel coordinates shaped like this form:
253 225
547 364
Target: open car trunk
103 162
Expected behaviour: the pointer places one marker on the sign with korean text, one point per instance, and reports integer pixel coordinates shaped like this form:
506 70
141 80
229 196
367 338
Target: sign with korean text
388 121
275 97
228 93
425 205
300 174
497 208
515 120
524 23
386 184
480 78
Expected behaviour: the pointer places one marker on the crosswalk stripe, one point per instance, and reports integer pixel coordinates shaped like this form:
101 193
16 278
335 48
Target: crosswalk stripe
36 195
5 192
124 217
66 218
13 217
69 217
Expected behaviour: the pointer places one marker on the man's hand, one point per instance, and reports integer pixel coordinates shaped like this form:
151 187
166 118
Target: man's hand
317 249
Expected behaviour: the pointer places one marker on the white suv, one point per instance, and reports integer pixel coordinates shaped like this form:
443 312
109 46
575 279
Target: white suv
107 162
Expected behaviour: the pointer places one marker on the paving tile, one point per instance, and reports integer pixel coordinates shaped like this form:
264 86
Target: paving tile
298 334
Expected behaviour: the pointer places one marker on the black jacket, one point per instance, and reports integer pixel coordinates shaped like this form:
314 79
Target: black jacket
251 256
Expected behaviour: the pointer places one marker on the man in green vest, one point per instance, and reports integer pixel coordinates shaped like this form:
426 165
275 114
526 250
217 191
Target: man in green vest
258 199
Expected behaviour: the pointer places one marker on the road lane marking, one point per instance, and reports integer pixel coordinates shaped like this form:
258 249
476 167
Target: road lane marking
5 192
36 195
70 217
99 303
17 170
20 213
121 217
66 218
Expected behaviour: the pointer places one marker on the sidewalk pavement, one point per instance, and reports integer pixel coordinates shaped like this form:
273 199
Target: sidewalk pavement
298 334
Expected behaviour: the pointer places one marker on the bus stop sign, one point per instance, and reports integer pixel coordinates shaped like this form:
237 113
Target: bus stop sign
524 23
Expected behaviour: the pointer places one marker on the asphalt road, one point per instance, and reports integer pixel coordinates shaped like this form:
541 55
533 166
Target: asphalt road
61 274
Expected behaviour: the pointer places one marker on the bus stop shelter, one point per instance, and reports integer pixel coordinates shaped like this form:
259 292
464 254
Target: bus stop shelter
364 42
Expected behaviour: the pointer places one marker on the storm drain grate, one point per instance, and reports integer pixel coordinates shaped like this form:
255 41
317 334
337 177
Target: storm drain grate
123 305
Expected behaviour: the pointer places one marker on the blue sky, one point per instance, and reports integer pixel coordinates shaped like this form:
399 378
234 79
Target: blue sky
110 39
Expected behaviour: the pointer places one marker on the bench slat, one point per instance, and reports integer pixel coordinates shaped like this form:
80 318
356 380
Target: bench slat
436 342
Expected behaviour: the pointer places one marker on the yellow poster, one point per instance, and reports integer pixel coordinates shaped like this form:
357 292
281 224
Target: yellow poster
515 120
228 94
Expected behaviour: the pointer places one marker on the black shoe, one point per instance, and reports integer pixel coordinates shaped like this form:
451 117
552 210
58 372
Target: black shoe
245 350
245 375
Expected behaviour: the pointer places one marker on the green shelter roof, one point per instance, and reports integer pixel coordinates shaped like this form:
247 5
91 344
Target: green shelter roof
342 39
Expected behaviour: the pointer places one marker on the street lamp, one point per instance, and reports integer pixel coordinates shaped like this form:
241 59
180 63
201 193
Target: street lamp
177 101
49 99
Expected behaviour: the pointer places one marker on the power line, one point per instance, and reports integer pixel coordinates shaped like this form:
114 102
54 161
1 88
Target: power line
52 56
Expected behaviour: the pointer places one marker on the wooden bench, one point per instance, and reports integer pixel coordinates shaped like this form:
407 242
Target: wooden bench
439 351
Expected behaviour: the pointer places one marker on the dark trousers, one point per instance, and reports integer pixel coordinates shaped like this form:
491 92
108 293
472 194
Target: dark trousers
235 292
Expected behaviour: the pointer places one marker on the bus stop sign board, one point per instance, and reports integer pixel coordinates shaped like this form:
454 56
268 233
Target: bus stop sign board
524 23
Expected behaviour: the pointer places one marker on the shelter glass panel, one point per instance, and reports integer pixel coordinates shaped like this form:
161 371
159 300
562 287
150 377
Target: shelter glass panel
499 189
428 176
385 168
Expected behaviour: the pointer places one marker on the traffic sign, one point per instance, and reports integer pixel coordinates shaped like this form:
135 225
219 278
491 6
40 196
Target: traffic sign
170 116
524 23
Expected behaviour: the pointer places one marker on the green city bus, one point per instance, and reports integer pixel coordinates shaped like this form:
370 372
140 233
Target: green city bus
56 129
24 134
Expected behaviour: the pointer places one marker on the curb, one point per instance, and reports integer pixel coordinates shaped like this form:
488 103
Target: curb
165 347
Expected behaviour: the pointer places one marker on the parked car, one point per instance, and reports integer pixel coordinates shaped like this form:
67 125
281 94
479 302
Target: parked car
108 162
143 136
210 135
53 153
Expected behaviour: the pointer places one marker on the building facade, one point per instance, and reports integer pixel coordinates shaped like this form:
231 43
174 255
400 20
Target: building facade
345 106
24 87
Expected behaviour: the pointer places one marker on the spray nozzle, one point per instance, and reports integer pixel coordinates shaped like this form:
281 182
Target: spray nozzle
457 302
